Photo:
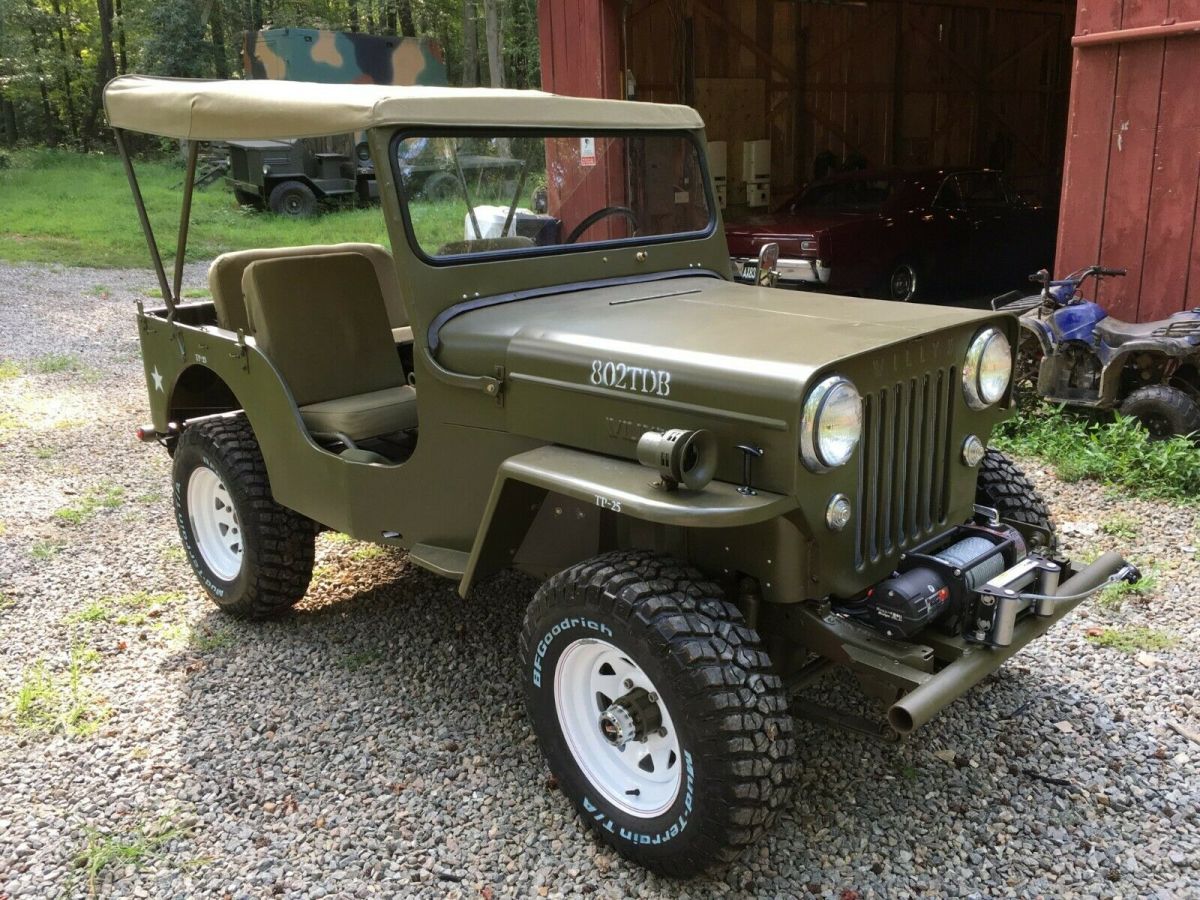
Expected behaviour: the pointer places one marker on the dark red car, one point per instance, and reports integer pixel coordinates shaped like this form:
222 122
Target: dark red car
900 234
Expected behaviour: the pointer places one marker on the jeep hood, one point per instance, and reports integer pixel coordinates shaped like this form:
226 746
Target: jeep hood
696 325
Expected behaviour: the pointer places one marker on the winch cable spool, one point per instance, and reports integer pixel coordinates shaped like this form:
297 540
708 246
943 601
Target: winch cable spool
904 604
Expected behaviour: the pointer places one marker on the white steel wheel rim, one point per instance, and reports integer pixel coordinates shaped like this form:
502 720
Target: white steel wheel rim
215 524
643 778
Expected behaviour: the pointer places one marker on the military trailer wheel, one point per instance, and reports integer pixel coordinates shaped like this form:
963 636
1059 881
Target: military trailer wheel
656 710
1004 487
293 198
253 556
1164 411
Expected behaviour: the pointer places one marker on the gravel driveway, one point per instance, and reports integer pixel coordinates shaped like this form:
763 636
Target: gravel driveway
374 743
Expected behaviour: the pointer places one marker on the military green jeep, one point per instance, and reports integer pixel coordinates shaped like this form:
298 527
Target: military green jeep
727 488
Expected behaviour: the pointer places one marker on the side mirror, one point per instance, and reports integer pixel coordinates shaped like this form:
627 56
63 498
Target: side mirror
768 259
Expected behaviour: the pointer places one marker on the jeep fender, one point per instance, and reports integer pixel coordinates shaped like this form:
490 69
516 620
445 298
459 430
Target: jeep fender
616 486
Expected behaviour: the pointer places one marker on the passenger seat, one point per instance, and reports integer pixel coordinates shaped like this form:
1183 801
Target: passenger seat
322 321
226 272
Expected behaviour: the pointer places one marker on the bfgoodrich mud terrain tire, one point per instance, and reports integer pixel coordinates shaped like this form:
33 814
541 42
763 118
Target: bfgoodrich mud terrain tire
1164 411
656 710
253 556
1004 487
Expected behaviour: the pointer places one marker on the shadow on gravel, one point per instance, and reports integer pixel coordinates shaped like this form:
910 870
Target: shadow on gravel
383 736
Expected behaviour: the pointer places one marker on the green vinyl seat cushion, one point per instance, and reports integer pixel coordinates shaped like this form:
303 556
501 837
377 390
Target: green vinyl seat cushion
322 322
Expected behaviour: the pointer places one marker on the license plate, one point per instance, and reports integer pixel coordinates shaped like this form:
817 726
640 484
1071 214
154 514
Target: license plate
749 272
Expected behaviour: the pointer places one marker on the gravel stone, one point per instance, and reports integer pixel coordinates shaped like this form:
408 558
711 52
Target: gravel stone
373 744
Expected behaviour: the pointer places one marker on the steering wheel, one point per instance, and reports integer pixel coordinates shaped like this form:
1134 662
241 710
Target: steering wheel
602 213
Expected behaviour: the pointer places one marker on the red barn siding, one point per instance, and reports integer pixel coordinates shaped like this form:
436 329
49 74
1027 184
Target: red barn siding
1132 173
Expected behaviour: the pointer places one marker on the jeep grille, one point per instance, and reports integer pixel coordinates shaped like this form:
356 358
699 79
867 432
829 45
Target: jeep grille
904 464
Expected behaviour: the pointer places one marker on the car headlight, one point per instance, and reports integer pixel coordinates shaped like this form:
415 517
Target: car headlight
363 151
987 369
831 425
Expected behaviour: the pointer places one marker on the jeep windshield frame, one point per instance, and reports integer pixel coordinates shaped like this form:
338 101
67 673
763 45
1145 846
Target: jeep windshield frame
687 139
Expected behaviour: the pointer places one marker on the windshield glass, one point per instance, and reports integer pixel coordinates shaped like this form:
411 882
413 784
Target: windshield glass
470 194
866 195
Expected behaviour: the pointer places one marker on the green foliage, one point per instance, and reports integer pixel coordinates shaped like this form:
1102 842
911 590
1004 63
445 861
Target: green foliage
45 550
92 501
1121 525
1133 639
1118 453
9 370
102 851
138 608
75 210
53 363
55 56
1114 595
49 702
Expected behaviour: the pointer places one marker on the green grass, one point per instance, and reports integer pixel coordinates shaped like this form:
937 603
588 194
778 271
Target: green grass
138 608
1113 596
50 702
103 496
355 661
53 363
104 850
6 602
367 551
9 370
44 550
205 640
1121 525
1118 454
1133 639
68 208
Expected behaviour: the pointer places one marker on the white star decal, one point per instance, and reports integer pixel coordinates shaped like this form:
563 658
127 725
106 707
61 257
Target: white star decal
158 385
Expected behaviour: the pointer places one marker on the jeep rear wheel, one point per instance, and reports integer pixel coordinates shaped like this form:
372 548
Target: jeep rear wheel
253 556
656 710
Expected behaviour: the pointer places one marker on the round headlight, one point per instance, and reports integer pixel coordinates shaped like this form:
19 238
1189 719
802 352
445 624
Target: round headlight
363 151
832 424
987 369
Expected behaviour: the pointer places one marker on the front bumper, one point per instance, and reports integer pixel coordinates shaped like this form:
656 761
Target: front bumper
975 663
791 271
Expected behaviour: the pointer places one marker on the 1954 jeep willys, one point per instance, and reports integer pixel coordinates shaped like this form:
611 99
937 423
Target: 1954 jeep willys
728 488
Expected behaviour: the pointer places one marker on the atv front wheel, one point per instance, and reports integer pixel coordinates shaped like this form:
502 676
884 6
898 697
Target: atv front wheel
253 556
656 710
1164 411
1002 486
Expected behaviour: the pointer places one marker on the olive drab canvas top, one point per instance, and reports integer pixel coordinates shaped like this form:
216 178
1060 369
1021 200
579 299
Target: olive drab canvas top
204 109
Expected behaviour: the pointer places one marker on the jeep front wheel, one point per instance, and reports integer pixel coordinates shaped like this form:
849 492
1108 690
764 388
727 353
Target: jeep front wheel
293 198
1002 486
253 556
656 710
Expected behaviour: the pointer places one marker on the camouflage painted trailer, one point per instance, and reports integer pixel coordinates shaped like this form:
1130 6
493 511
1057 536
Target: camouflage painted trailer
291 177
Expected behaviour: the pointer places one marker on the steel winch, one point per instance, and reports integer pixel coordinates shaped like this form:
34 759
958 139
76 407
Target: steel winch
975 581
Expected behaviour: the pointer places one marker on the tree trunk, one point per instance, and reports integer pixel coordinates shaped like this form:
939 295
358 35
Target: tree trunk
122 57
407 27
216 24
106 67
53 130
64 60
495 42
8 118
354 16
470 73
389 14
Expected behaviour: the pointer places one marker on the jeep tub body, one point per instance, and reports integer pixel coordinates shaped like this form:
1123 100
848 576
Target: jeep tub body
592 386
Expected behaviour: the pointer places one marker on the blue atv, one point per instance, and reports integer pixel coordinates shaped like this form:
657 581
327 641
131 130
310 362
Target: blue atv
1074 352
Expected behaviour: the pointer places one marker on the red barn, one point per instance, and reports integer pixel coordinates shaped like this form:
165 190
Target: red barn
1092 104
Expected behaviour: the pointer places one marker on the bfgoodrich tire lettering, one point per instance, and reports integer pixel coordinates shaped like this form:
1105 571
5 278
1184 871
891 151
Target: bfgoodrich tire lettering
734 733
277 543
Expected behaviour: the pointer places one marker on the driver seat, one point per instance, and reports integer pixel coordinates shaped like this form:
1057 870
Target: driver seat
322 321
